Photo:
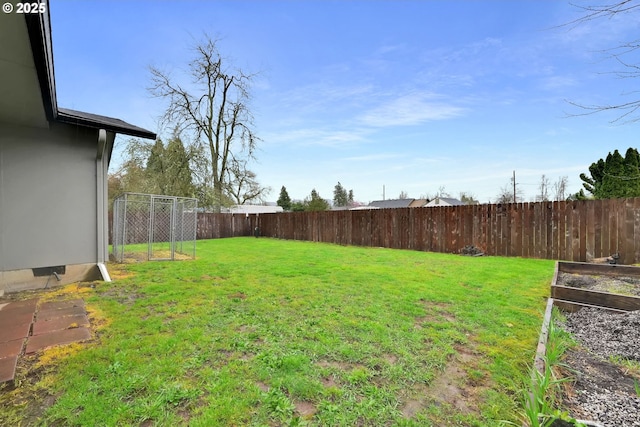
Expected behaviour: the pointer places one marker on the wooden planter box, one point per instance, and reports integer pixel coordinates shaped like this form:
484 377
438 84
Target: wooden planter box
572 299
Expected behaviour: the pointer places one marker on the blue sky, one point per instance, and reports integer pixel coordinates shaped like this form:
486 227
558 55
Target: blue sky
410 95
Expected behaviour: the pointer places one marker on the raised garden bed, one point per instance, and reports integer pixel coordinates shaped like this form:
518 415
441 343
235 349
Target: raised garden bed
601 304
612 287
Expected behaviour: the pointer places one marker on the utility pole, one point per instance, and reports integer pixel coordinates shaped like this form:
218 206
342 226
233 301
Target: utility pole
383 192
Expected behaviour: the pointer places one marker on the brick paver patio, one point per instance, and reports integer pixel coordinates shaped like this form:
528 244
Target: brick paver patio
27 327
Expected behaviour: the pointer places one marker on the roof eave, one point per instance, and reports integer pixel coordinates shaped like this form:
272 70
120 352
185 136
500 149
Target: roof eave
39 28
64 116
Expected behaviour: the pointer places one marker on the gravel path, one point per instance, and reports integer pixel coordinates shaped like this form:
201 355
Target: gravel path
602 391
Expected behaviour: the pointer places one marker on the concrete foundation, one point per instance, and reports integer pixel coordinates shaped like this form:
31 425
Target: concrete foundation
20 280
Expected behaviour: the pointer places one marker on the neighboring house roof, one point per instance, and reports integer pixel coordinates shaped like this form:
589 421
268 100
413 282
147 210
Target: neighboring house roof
39 30
253 209
444 201
390 204
363 208
418 203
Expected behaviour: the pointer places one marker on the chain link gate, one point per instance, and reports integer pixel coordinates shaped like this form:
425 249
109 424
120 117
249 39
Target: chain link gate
154 227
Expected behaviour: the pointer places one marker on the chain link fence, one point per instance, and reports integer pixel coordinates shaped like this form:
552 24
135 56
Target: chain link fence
154 227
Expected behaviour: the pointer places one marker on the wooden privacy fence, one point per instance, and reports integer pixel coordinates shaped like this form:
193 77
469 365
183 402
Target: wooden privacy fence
216 225
571 231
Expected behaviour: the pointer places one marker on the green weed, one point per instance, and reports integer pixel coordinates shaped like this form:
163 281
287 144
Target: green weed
542 389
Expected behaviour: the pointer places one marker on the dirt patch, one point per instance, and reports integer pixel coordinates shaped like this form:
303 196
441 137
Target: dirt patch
118 271
462 381
136 257
411 408
329 382
262 386
237 296
305 409
455 386
436 313
122 296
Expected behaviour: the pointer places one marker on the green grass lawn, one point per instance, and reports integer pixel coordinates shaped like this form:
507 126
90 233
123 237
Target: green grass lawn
265 332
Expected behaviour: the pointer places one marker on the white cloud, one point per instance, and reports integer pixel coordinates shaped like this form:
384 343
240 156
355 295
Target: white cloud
557 82
315 136
373 157
319 96
410 109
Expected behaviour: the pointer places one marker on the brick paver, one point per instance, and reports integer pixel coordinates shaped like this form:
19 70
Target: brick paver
66 336
14 331
29 303
57 305
11 348
61 312
59 323
8 368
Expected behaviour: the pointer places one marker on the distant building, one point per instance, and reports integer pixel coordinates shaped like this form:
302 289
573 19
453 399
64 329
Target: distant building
363 208
397 203
444 201
418 203
255 209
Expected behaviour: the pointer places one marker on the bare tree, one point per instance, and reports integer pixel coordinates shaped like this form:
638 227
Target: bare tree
468 198
241 184
403 195
560 189
442 192
623 54
214 109
505 195
543 190
509 193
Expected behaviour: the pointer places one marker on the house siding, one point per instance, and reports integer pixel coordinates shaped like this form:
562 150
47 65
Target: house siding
48 209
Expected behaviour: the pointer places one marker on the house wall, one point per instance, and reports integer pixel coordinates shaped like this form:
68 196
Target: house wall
48 206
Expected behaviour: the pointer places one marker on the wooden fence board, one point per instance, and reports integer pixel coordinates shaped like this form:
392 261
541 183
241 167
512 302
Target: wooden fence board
597 228
589 240
628 253
537 230
613 229
553 239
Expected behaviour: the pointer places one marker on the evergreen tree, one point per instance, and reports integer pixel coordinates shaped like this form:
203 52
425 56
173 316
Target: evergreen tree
632 172
155 179
315 202
298 206
614 177
284 200
155 168
340 197
177 171
351 201
612 185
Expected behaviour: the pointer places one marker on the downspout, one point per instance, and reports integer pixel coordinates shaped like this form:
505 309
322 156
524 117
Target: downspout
101 204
